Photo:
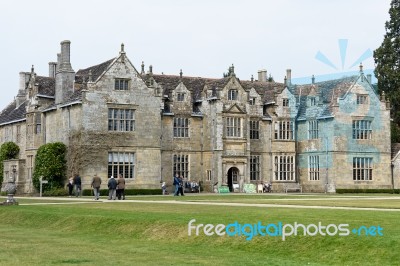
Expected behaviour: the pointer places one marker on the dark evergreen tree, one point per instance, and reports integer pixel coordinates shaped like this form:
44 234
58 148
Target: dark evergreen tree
387 60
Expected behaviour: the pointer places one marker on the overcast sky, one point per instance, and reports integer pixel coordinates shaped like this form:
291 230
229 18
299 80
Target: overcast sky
203 38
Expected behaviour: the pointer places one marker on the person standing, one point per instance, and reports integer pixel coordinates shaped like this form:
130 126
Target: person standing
70 186
96 182
112 186
176 184
180 187
164 188
121 187
78 185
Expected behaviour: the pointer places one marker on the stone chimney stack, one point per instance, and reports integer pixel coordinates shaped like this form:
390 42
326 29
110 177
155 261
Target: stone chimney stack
58 61
65 55
65 75
369 78
288 77
262 75
52 69
23 79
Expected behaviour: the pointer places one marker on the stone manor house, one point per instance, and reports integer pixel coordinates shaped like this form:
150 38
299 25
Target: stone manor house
116 119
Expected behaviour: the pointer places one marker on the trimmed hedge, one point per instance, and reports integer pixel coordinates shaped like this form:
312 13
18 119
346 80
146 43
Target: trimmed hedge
388 191
104 192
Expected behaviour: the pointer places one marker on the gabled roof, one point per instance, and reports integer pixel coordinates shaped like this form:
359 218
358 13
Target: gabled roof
97 70
13 112
265 89
194 84
46 85
329 91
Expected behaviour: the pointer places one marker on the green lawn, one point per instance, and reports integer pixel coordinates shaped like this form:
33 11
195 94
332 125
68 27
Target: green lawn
131 233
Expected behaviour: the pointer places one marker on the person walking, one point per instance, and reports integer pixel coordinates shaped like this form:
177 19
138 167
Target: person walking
121 187
96 182
176 184
112 186
78 185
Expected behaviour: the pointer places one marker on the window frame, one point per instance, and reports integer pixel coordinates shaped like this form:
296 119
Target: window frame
363 168
313 127
121 84
181 165
118 121
254 129
313 168
284 130
126 166
180 97
255 168
284 168
233 127
285 102
233 95
362 129
362 99
181 127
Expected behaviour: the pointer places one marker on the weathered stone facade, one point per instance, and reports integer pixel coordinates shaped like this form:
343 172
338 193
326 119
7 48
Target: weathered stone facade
115 119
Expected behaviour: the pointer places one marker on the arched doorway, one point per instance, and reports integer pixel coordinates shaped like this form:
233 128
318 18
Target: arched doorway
233 177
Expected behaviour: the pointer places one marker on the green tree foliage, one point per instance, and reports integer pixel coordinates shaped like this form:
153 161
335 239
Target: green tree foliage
51 164
387 60
8 150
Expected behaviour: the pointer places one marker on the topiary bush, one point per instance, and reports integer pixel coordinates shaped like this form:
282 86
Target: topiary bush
50 163
8 150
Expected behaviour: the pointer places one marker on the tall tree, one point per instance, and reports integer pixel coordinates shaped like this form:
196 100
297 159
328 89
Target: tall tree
387 60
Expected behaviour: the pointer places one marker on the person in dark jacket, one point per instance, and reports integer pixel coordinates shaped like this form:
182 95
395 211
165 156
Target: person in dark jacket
180 186
112 186
78 185
176 184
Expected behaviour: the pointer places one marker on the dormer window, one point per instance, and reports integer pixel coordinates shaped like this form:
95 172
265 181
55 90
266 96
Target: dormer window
252 101
312 101
362 99
121 84
180 97
285 102
232 95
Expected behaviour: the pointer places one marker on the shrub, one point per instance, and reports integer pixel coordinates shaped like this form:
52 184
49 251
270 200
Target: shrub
55 192
104 192
8 150
51 164
389 191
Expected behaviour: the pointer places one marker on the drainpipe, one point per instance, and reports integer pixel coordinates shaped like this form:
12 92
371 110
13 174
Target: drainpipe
326 164
392 168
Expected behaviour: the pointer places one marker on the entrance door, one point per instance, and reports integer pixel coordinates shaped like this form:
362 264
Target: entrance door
233 174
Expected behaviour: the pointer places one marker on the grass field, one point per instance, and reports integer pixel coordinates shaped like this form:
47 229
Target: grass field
153 233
